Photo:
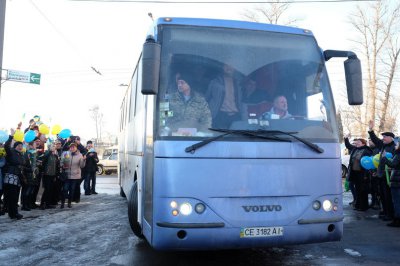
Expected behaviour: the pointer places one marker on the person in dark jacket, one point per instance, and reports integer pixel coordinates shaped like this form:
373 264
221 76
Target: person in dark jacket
357 173
394 184
2 163
15 166
51 168
28 187
58 184
386 144
224 95
90 169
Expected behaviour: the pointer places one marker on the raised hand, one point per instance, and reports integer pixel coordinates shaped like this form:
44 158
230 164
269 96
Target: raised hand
371 125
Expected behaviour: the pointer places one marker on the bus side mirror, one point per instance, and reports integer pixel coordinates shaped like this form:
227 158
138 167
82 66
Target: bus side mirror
150 68
352 69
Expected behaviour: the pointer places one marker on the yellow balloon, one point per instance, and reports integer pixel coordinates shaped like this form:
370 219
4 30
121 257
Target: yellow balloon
44 129
18 135
55 129
376 159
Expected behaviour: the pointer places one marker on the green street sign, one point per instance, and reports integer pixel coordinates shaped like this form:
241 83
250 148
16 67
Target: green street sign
22 76
34 78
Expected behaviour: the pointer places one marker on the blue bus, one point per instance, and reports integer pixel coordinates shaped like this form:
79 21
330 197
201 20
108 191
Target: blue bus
206 161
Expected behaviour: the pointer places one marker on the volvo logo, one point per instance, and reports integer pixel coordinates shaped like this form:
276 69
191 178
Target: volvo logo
262 208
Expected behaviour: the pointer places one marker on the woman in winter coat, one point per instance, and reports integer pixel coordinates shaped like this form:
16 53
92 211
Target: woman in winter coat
51 168
357 173
16 165
394 184
72 161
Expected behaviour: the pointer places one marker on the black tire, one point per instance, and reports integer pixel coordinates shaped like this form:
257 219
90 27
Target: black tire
100 170
344 171
133 211
121 192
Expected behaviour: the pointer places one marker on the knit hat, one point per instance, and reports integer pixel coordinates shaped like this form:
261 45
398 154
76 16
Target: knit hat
17 143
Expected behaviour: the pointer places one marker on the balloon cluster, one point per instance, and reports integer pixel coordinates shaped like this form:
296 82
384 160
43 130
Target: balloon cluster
30 135
372 162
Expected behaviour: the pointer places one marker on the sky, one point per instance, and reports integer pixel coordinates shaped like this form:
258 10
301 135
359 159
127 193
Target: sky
62 40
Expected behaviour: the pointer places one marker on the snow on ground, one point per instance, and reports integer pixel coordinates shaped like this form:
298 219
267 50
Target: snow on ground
85 234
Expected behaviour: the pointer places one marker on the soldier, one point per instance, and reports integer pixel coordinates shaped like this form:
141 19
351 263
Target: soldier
189 108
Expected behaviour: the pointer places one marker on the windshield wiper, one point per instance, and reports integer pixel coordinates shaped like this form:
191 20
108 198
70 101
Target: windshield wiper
200 144
311 145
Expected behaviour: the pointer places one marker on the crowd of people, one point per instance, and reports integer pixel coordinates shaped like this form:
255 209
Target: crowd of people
383 183
59 166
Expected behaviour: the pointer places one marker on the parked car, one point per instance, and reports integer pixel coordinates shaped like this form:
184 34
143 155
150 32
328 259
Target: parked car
108 165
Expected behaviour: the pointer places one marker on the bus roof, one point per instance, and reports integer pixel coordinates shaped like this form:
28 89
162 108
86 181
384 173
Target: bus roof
231 24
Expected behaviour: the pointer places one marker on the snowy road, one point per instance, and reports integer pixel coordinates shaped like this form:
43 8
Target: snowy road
90 233
96 232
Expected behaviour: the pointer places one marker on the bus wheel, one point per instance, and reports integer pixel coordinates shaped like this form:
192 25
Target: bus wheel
133 211
121 192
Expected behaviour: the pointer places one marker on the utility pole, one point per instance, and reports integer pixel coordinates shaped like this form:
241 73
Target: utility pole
2 26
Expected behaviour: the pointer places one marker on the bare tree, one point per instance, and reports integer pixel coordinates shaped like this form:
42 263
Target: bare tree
271 13
97 117
377 28
393 53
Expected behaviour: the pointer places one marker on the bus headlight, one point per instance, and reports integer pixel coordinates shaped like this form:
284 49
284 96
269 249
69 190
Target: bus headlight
327 205
185 208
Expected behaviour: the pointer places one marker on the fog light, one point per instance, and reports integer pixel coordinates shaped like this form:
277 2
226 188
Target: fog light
200 208
175 212
185 208
327 205
316 205
173 204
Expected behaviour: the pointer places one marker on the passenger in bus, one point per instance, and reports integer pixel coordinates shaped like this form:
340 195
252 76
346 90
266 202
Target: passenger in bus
279 109
224 96
189 108
252 94
255 100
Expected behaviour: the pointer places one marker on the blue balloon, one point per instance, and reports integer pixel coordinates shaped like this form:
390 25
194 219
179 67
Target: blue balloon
65 133
367 163
29 136
389 155
3 136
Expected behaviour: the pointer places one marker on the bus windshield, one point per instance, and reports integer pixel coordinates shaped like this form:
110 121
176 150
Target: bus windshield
242 80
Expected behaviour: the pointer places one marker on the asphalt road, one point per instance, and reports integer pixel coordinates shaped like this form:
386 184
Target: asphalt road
96 232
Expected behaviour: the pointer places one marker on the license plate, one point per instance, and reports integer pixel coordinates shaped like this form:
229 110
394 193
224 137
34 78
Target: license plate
261 231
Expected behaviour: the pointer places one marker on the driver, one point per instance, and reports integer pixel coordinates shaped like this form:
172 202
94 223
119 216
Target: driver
279 109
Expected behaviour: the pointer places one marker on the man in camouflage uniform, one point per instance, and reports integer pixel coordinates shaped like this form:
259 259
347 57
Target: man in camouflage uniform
189 108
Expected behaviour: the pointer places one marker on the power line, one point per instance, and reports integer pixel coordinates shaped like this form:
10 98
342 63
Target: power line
227 2
61 34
